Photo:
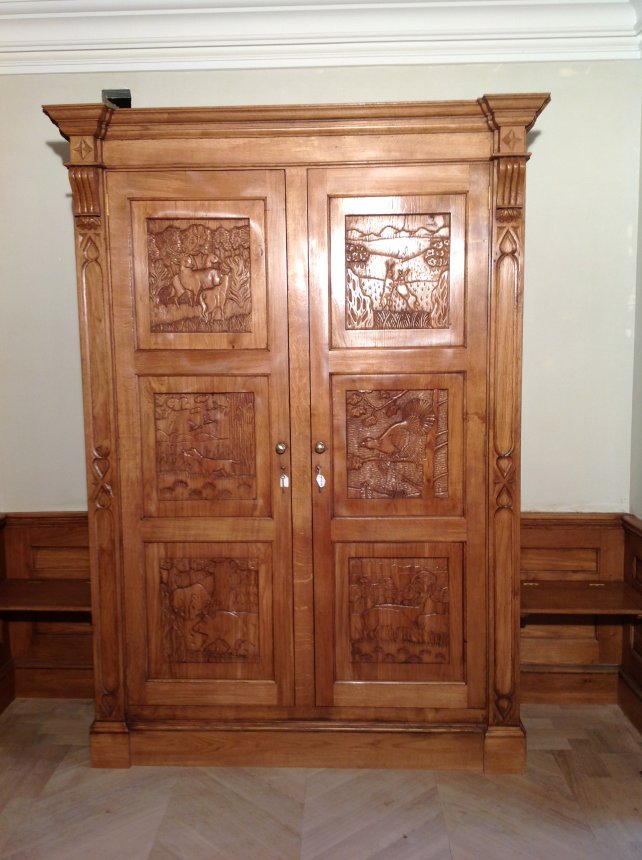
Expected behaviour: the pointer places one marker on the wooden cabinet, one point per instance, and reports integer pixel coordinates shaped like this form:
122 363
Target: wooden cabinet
301 333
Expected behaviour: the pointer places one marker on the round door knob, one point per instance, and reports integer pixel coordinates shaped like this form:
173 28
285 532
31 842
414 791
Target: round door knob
281 447
319 447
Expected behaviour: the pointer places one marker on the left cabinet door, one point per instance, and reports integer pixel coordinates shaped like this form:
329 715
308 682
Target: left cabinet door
202 403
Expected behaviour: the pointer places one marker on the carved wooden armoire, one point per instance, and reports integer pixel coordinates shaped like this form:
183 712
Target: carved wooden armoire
301 338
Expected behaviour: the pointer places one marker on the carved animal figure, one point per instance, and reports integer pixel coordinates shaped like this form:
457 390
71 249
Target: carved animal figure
190 280
227 631
212 298
395 282
417 416
207 465
188 605
190 602
393 622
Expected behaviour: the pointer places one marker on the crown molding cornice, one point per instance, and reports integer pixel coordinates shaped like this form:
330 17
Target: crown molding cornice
116 35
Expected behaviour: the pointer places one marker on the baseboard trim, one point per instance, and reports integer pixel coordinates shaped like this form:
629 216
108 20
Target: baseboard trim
7 685
630 699
555 686
550 683
54 683
325 747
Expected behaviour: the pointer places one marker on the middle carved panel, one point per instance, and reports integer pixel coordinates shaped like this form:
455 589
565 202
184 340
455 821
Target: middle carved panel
400 438
206 441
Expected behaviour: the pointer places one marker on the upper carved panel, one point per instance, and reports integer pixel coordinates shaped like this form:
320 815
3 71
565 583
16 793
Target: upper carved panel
199 275
205 446
209 610
398 271
399 610
397 444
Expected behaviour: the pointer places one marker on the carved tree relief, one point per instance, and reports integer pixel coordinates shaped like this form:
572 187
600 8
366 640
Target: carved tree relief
398 271
399 610
205 446
199 275
209 610
397 444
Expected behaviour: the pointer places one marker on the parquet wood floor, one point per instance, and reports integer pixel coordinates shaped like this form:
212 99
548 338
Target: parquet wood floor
580 799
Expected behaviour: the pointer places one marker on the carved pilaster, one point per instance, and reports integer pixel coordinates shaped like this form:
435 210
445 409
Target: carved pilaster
509 118
504 459
96 344
504 455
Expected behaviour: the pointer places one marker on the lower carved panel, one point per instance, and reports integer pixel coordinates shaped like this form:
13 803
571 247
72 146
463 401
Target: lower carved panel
399 610
209 610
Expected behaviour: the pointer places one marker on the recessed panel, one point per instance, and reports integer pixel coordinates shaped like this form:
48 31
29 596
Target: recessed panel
200 274
209 611
204 446
398 444
397 270
399 612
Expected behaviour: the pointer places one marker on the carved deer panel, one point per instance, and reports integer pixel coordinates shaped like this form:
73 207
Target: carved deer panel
199 275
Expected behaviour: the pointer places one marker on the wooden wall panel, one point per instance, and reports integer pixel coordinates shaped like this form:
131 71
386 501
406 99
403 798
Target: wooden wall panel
570 659
52 652
7 675
630 685
563 660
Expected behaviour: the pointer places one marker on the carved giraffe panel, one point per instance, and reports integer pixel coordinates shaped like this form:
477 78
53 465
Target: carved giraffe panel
398 444
397 271
209 610
205 446
199 275
399 610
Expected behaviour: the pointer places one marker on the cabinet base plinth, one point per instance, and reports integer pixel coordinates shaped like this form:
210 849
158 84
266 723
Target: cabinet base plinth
282 746
109 744
505 750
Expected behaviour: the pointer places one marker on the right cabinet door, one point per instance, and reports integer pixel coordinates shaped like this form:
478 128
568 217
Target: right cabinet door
399 301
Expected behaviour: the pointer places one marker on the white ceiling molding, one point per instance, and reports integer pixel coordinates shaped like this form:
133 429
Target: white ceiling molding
117 35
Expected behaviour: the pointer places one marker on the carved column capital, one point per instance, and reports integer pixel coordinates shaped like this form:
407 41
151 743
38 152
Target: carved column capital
86 190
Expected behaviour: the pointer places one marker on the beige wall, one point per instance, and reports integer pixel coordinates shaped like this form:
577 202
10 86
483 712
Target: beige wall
581 264
636 429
